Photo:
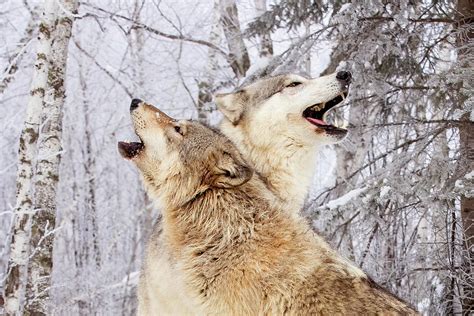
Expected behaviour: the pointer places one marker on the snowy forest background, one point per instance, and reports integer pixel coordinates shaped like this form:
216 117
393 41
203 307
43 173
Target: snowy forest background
396 196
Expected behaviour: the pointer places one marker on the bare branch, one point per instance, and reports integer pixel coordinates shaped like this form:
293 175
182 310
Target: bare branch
108 73
160 33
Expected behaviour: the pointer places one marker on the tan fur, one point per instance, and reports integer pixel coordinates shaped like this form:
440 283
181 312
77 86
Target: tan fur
236 251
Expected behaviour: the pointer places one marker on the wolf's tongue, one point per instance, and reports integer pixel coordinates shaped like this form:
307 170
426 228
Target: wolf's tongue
316 121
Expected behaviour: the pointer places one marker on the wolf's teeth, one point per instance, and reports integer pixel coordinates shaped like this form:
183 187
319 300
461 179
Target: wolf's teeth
343 97
318 107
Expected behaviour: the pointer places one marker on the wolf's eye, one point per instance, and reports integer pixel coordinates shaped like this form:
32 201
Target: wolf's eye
178 130
294 84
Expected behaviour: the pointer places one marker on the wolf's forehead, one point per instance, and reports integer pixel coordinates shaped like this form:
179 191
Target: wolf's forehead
265 88
202 136
269 83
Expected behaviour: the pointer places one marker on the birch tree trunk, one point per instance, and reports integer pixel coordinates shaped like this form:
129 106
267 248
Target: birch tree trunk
47 168
238 54
17 264
466 135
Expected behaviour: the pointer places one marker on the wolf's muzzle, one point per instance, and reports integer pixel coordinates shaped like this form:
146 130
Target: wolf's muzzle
344 76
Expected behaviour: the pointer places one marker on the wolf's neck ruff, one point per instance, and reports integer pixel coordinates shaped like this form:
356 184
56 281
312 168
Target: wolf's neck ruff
239 253
223 234
288 173
219 216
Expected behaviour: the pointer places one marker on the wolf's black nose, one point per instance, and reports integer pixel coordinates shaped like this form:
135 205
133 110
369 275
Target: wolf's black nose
135 103
344 76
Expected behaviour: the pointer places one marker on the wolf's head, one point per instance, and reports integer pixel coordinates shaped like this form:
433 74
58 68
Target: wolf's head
180 159
286 106
278 122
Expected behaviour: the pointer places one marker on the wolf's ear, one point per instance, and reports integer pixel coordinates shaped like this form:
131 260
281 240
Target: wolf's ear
231 171
231 105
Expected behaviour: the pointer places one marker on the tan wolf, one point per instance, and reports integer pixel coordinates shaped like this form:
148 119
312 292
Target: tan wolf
236 251
278 123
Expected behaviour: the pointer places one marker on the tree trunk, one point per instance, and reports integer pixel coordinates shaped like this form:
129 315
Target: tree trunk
47 168
238 54
89 166
205 86
88 252
17 264
465 34
265 48
307 56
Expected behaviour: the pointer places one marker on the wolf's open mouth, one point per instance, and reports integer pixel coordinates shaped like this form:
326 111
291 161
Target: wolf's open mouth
316 113
129 150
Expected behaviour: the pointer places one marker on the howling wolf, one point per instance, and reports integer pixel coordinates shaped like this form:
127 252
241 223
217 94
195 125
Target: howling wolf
279 122
234 250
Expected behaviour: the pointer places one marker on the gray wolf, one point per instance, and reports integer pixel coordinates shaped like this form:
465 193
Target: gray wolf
279 123
234 250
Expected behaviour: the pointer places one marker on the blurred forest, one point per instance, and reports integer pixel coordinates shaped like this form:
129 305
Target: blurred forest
396 196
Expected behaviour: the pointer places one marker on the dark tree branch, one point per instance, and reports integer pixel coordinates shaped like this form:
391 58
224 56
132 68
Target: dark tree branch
150 29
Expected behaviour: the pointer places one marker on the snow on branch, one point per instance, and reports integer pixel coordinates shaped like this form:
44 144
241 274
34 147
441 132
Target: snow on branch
343 200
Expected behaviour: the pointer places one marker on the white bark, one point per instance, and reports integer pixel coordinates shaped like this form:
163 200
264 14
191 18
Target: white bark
47 168
15 281
238 54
